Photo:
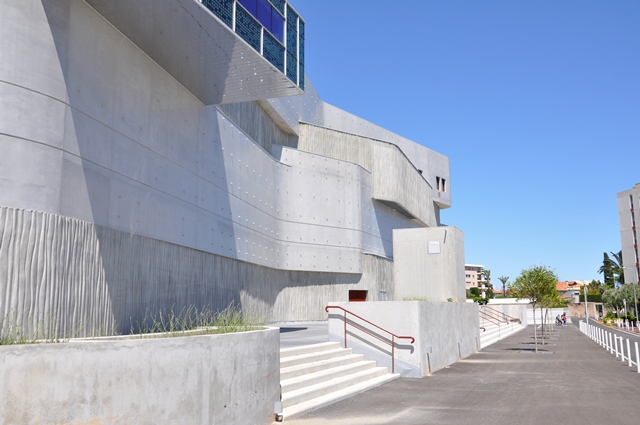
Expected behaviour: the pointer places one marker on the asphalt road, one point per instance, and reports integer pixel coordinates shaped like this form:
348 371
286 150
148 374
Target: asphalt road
572 380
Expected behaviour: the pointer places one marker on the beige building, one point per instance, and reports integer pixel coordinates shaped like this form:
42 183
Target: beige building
474 276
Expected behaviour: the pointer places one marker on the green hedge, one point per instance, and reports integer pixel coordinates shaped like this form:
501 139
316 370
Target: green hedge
592 298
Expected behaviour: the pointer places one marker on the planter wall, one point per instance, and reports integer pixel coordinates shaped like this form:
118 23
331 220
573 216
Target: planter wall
209 379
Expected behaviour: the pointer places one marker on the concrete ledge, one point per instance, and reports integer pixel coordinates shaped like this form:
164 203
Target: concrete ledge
225 378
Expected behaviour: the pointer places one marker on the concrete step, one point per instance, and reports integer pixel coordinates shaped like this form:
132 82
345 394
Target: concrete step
323 388
336 396
317 375
306 349
313 357
309 379
287 373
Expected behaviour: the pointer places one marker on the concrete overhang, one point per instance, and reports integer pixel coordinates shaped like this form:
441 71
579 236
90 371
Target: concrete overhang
197 49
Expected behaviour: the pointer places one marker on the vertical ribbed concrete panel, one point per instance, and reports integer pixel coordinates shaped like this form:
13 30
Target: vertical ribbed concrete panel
75 278
256 122
52 276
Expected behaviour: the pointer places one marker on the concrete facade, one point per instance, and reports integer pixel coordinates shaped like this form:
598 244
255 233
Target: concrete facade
129 187
444 333
628 205
429 264
208 379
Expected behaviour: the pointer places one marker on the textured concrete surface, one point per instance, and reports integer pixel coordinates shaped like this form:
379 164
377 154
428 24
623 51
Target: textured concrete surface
211 379
573 381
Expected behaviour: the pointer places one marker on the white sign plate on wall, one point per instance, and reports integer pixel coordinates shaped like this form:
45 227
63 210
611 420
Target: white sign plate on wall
434 247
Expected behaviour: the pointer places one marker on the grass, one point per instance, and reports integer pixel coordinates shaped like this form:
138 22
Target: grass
189 321
192 321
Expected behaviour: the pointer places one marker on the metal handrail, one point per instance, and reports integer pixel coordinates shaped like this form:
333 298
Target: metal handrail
508 318
489 318
357 326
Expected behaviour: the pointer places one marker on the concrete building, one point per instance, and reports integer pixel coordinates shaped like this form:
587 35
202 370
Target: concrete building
162 154
628 205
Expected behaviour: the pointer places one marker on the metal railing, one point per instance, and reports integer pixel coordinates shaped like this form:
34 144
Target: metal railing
363 329
501 314
488 317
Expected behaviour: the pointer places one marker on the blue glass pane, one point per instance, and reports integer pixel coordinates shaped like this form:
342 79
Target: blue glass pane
223 9
292 16
292 38
273 51
301 85
277 25
250 5
264 13
301 55
301 28
248 28
292 68
278 4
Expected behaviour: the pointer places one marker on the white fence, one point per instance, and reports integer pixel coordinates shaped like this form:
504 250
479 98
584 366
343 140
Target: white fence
613 343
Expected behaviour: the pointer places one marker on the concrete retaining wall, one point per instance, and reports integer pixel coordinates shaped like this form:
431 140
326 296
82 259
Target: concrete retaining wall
444 333
221 379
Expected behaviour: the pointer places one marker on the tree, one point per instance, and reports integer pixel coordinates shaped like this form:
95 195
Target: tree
606 269
617 268
537 284
596 287
615 297
504 280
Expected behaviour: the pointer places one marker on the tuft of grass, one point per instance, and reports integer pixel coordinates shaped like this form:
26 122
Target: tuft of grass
190 321
415 299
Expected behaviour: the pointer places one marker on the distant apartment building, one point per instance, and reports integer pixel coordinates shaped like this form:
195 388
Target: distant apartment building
628 204
474 276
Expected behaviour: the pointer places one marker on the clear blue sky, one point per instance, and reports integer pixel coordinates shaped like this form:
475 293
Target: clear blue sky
536 104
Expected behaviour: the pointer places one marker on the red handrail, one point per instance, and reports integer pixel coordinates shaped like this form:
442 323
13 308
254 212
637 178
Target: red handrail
488 317
508 318
357 326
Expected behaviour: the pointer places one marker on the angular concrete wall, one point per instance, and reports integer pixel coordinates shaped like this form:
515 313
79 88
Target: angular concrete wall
444 333
211 379
123 193
429 264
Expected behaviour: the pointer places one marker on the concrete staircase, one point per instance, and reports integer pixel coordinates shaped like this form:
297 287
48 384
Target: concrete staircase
312 376
496 332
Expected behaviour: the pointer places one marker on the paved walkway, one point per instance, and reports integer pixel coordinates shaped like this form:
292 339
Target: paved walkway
571 381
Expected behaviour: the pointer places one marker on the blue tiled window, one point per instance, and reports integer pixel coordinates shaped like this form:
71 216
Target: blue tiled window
292 68
248 28
223 9
273 51
301 82
301 54
292 40
278 4
267 15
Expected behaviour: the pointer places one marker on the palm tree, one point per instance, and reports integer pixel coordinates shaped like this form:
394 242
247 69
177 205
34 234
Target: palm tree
607 270
504 280
617 267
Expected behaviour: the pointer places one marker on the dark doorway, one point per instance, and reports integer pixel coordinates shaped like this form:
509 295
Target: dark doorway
357 296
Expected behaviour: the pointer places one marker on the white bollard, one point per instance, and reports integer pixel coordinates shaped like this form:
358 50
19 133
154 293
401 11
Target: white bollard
615 341
629 352
621 350
637 357
611 342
